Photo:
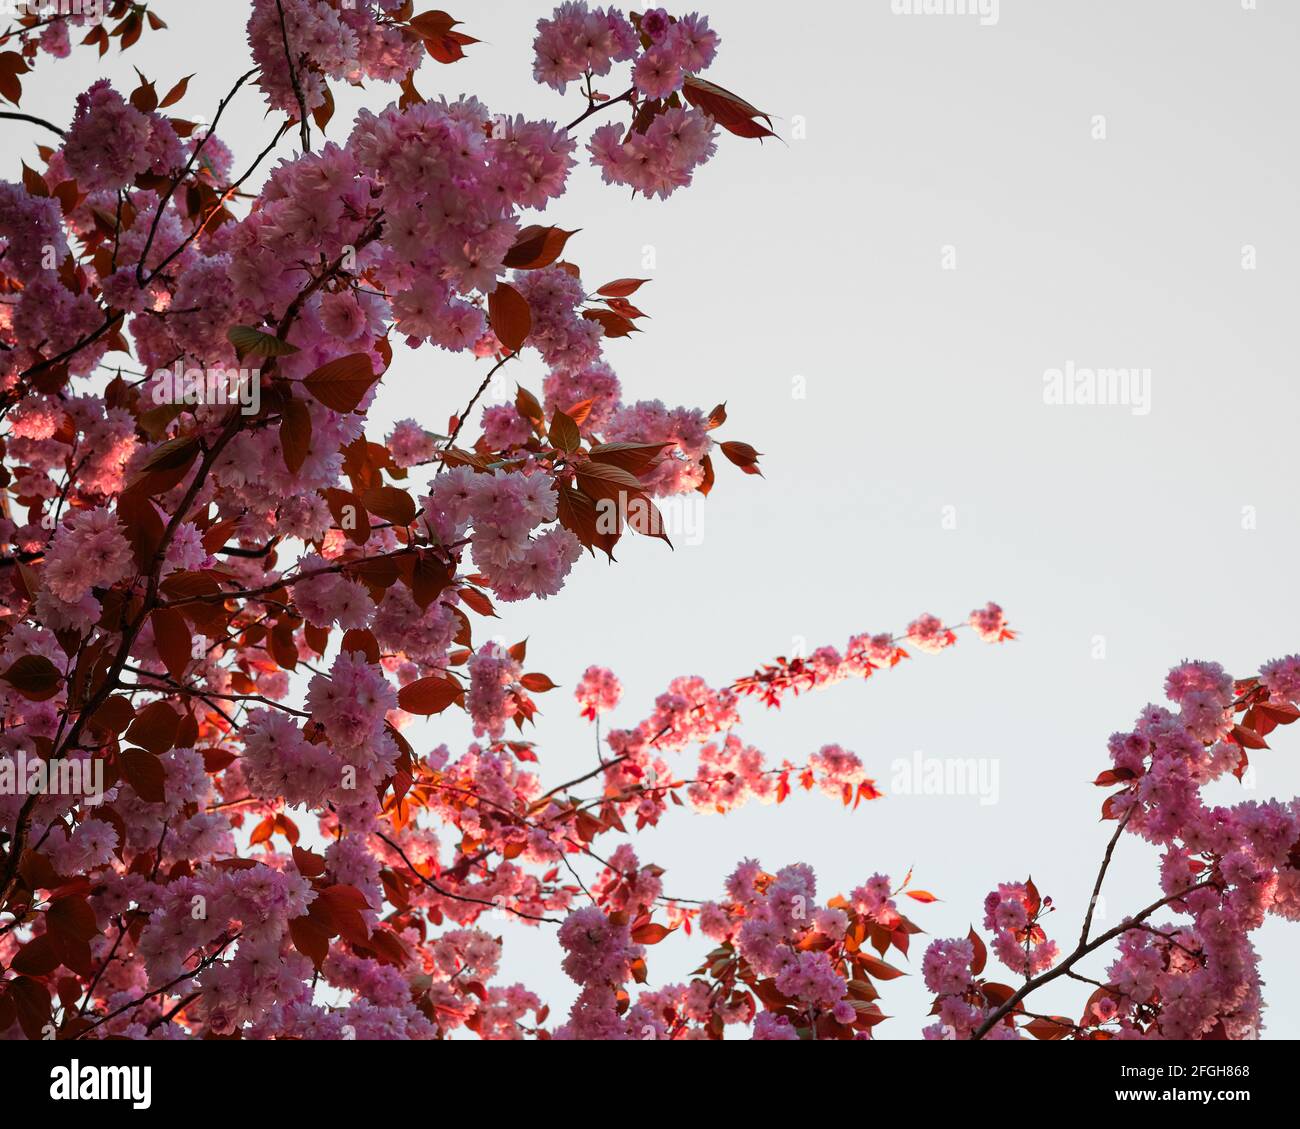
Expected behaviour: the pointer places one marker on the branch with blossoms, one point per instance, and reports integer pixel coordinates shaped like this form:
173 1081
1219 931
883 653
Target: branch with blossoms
49 31
638 781
1227 868
506 814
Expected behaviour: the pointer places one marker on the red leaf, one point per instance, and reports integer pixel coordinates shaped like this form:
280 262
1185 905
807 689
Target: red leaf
217 760
391 503
635 458
428 695
349 514
1247 738
510 316
144 528
34 677
1050 1027
625 308
144 772
70 915
622 288
155 728
709 477
614 325
295 433
1113 776
444 44
173 640
37 958
310 864
527 406
878 968
729 110
476 600
743 455
564 432
31 1000
176 93
650 934
310 939
359 639
342 384
537 247
981 952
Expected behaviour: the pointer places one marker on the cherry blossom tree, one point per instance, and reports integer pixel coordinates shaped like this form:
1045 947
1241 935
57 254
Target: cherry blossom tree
225 602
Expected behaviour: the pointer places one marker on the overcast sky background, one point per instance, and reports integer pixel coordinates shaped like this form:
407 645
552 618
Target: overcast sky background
820 257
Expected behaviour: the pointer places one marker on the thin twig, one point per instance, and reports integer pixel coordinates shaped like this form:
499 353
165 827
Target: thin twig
34 120
463 897
304 126
597 107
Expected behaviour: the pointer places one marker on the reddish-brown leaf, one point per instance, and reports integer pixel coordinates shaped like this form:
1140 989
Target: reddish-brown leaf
622 287
473 598
614 325
310 939
144 772
1247 738
650 934
428 695
1049 1027
635 458
729 110
349 513
144 528
31 1002
743 455
342 384
510 316
295 433
564 432
358 639
155 728
309 864
176 93
537 247
878 968
173 640
981 952
34 677
38 957
527 406
391 503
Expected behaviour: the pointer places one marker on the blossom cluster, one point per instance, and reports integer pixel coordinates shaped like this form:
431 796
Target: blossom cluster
665 51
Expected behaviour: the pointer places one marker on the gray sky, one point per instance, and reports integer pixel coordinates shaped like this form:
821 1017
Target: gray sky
1100 529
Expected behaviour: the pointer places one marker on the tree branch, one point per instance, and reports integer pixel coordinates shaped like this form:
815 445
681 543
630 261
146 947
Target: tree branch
1082 951
34 120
